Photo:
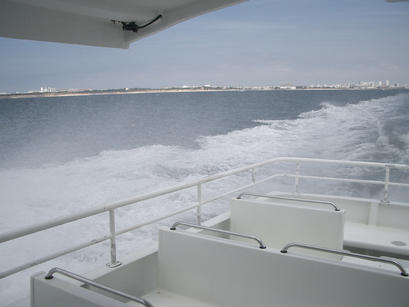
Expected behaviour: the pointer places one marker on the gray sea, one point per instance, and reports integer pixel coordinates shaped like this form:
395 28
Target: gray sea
64 154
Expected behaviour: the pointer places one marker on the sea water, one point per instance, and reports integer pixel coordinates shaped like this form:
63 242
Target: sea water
62 155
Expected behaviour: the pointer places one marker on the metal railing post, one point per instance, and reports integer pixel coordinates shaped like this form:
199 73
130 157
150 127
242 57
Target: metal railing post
199 201
253 176
114 262
386 187
297 178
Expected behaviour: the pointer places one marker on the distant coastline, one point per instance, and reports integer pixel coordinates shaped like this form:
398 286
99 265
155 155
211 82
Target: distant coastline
172 90
112 92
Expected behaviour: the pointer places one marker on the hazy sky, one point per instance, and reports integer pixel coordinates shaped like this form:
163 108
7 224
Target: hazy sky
259 42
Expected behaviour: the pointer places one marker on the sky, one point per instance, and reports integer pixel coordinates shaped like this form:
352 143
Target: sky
256 43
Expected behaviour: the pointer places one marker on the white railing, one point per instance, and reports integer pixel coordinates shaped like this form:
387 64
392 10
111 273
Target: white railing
12 235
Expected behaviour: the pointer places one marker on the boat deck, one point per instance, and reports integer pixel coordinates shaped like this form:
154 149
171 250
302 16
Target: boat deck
164 298
377 238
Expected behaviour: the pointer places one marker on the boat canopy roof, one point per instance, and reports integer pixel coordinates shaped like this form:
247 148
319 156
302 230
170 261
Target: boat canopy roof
107 23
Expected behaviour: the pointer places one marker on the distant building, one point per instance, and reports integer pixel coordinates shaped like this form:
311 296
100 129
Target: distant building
363 84
287 87
47 89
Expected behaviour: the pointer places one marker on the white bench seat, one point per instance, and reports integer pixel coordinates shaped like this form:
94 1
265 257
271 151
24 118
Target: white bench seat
378 238
278 224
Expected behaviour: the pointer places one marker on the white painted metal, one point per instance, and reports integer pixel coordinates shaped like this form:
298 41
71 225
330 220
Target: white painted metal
386 188
113 263
87 244
297 178
199 202
87 213
349 180
253 176
89 22
49 257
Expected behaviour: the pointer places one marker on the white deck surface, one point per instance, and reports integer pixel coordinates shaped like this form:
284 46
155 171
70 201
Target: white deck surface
164 298
377 238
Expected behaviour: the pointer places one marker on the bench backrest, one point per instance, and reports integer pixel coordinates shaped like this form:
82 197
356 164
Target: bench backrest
279 224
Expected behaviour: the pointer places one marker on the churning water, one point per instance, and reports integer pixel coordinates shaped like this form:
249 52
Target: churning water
62 155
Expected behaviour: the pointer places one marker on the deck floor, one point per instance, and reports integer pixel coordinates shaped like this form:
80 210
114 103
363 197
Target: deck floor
388 239
164 298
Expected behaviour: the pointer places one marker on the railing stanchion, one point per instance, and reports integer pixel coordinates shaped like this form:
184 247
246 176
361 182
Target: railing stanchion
297 178
113 263
199 201
386 188
253 176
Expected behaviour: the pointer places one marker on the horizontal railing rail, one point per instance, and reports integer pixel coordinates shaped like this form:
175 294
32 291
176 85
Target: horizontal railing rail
291 199
285 249
231 233
88 244
349 180
90 212
110 208
89 282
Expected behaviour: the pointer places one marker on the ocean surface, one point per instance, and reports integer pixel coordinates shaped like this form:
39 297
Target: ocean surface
62 155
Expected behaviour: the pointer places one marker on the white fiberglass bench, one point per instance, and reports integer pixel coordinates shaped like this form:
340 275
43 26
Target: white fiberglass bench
372 226
281 221
224 272
195 269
